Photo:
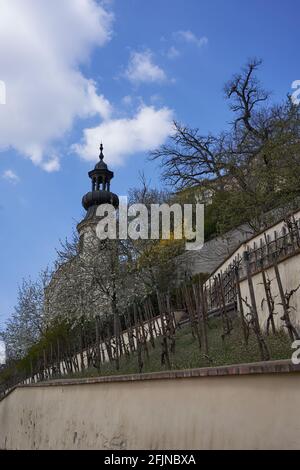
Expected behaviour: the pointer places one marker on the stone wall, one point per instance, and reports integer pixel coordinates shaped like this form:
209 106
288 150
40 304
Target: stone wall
213 252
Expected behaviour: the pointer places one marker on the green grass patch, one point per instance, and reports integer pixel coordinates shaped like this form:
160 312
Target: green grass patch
231 350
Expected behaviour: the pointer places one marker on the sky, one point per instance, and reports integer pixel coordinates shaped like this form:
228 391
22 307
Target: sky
78 72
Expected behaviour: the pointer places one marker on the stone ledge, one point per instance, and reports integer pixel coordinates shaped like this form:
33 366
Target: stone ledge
252 368
268 367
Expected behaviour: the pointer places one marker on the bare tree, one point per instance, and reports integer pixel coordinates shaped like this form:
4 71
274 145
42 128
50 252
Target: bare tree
248 170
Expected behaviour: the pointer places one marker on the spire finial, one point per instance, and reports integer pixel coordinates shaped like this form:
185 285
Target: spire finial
101 156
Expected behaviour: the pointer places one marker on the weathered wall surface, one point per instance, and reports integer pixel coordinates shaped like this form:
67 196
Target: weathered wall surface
159 411
248 244
289 271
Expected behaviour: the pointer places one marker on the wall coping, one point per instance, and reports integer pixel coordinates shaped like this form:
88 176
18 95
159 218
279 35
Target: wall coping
253 368
267 367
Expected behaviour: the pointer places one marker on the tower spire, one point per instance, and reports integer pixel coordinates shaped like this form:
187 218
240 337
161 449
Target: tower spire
101 156
100 192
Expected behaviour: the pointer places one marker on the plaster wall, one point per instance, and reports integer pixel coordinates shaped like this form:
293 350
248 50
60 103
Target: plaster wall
221 412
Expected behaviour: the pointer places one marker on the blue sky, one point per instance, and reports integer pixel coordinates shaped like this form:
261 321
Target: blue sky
80 71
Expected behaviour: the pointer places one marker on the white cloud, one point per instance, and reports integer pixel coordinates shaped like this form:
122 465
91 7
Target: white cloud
42 45
173 53
142 69
189 37
52 164
145 131
127 100
11 176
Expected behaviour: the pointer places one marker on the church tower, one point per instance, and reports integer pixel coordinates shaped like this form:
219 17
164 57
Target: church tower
101 178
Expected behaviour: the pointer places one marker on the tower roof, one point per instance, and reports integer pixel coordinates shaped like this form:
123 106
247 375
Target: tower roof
101 168
100 194
101 165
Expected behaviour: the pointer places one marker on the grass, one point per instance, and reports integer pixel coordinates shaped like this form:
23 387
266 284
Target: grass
187 354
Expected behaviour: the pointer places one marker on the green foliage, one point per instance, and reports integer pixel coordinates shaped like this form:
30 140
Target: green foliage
59 332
